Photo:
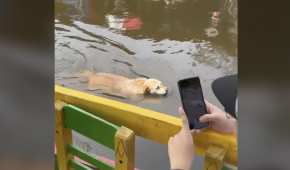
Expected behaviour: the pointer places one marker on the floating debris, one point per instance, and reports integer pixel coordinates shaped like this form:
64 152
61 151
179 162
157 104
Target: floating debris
211 32
160 51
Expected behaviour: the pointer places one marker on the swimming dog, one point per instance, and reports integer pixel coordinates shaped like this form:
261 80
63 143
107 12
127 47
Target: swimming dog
123 85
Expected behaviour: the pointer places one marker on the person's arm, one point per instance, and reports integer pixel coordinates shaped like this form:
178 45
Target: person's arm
180 146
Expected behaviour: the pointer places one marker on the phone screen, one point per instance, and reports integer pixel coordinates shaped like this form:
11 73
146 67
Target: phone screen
193 101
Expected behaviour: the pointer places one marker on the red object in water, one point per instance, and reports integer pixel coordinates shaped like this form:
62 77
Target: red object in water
132 23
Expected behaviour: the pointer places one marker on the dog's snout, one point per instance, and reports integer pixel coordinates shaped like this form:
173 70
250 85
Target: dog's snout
166 92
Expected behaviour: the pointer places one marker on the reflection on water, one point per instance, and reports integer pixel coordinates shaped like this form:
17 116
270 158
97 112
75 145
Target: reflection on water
163 39
185 20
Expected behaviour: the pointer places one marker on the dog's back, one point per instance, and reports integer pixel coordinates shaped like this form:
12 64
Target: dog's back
105 79
102 79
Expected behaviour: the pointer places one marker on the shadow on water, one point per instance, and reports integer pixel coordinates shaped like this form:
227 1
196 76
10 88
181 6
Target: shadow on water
163 39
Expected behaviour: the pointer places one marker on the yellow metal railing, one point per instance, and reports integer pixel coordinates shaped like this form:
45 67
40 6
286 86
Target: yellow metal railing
153 125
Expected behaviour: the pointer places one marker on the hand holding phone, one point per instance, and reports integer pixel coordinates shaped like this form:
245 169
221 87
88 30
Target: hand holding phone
193 101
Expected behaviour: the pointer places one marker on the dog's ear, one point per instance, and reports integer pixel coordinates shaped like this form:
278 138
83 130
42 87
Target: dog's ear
140 82
147 90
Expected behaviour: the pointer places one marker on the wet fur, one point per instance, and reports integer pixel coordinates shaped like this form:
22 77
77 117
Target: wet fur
116 84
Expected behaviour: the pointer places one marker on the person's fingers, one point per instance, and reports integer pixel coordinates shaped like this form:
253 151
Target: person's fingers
170 140
207 104
195 131
209 107
169 145
178 136
175 138
183 118
207 118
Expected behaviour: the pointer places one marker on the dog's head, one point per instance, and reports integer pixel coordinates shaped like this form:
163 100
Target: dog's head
154 86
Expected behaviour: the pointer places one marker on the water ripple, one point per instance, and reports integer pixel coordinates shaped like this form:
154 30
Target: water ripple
105 39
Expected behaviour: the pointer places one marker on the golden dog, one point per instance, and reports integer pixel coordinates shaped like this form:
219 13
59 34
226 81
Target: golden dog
124 85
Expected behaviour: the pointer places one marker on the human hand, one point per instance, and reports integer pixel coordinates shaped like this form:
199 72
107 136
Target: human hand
180 146
219 120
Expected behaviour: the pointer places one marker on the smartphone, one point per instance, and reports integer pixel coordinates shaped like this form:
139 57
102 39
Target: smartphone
192 101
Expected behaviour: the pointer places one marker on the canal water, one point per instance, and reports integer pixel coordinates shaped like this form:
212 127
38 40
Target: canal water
163 39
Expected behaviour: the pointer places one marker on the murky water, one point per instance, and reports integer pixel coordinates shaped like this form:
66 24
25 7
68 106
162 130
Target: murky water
160 39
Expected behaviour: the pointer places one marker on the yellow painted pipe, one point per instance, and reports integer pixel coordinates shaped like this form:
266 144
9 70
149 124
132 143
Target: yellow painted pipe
146 123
